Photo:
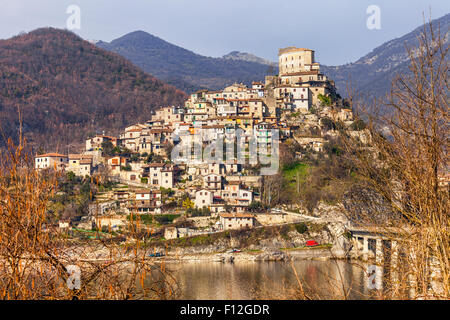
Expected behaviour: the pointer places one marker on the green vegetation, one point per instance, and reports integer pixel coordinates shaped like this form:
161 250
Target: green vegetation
126 168
108 149
295 174
329 124
71 201
154 158
301 228
243 237
146 219
144 180
326 100
188 204
318 177
165 218
358 125
257 206
195 212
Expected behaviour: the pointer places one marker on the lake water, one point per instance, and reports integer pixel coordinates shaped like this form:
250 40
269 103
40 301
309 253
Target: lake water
270 280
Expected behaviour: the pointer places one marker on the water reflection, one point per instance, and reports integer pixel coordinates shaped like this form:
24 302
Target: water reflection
270 280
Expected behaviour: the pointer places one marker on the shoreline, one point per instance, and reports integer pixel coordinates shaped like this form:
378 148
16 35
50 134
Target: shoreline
322 254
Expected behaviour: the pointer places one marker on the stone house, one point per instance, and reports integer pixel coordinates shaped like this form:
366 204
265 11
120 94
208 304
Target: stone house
54 161
237 220
79 164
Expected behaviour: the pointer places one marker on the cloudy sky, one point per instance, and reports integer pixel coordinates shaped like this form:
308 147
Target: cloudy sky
337 30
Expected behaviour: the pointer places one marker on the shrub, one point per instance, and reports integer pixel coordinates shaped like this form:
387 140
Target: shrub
256 206
126 168
358 125
195 212
166 218
301 227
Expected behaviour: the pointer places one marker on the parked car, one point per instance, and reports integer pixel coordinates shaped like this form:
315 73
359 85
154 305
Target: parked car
235 251
311 243
275 210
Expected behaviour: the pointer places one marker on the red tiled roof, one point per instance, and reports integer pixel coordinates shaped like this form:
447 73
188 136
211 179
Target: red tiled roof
237 215
51 155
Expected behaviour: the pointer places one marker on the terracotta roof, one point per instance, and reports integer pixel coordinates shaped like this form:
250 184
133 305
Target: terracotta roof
110 137
237 215
80 156
156 165
214 126
147 191
51 155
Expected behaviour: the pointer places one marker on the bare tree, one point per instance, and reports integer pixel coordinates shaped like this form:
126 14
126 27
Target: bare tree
404 162
36 258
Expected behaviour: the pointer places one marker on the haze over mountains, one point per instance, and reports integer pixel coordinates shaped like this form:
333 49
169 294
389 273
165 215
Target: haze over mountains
372 74
189 71
67 89
183 68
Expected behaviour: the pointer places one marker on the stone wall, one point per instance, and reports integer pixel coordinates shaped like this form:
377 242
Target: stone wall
267 219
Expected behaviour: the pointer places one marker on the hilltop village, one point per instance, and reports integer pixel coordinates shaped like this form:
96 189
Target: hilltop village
300 103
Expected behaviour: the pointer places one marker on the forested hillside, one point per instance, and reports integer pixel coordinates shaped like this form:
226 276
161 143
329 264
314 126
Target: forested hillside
67 89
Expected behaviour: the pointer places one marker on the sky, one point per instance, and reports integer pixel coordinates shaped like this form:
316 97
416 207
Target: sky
336 29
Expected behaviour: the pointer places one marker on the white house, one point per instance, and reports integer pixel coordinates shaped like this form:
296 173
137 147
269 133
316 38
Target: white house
51 161
203 198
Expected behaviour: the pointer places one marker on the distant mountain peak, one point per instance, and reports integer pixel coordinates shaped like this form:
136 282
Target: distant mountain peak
183 68
244 56
69 88
372 74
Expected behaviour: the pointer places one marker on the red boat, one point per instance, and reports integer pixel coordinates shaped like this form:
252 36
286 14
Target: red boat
311 243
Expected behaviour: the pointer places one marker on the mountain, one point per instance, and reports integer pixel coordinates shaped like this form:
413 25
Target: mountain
244 56
183 68
372 74
67 88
